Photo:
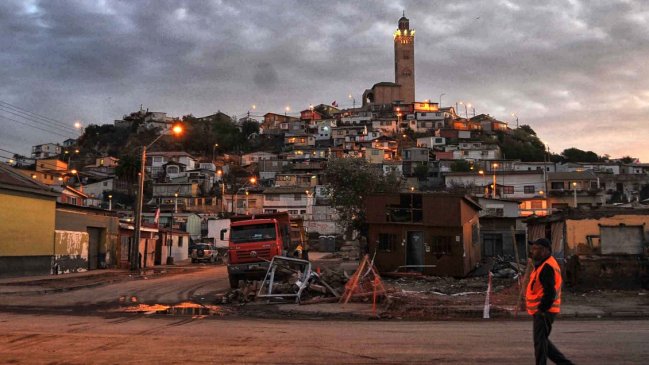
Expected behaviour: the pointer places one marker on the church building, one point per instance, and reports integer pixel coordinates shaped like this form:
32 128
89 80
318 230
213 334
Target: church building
402 90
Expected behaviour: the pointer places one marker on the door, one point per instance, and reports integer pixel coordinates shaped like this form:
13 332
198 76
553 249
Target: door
158 251
94 239
415 251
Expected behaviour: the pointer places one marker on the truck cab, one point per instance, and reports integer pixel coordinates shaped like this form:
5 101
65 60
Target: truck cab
254 241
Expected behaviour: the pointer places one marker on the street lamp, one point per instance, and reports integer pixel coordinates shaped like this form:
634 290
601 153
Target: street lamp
493 192
481 173
286 110
135 245
353 101
170 259
110 202
471 106
76 151
220 175
398 117
574 192
247 211
515 116
214 148
309 204
252 180
75 172
440 100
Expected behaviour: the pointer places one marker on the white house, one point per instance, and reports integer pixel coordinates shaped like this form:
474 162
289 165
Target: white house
289 199
156 160
255 157
509 184
431 142
97 189
45 150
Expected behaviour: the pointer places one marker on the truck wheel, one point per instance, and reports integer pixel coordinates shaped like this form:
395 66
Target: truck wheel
234 281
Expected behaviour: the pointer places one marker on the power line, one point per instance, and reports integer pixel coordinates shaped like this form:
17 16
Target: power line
35 127
35 115
68 130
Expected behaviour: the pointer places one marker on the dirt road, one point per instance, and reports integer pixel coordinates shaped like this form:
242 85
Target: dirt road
200 284
135 339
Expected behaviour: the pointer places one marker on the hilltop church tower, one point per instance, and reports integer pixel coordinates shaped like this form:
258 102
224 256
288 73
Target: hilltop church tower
404 60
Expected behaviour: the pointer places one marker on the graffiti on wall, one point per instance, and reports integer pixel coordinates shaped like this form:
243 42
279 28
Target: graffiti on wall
70 252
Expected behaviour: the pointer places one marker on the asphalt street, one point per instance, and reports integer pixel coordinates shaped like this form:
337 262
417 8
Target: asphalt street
137 339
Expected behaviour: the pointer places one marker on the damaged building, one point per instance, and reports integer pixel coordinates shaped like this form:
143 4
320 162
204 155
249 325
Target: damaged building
431 233
600 248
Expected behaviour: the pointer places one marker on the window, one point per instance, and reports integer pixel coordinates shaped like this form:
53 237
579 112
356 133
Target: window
528 189
387 242
292 211
180 241
441 245
105 183
495 212
557 185
297 197
302 211
475 234
536 204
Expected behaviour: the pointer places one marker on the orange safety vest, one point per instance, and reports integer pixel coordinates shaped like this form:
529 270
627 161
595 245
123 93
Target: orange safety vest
535 289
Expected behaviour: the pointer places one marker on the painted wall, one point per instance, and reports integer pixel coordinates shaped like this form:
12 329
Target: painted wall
578 231
27 227
71 220
70 252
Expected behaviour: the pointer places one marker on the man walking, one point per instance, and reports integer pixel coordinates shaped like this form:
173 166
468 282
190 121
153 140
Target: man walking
543 299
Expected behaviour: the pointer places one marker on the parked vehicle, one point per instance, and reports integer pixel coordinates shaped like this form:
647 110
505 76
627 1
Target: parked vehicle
256 239
204 252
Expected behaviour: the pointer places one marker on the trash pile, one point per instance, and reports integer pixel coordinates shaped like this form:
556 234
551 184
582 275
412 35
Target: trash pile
506 269
292 280
289 279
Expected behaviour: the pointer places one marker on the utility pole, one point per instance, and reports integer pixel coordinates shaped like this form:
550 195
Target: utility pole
135 245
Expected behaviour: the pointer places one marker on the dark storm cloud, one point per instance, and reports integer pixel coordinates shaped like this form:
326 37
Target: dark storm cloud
568 68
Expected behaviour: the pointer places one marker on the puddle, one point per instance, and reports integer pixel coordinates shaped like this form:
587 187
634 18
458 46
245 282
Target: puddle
182 309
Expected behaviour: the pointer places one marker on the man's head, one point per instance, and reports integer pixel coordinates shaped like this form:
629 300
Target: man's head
540 249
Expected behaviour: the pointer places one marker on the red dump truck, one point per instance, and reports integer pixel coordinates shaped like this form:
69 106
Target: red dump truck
256 239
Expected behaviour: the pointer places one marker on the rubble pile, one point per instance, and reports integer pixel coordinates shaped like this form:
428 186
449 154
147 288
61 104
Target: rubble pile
447 297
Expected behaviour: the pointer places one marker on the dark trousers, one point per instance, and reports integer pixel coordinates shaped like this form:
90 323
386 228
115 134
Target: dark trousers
543 347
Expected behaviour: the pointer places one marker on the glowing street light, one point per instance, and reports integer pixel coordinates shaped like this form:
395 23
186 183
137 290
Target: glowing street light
110 202
213 149
515 116
177 129
493 192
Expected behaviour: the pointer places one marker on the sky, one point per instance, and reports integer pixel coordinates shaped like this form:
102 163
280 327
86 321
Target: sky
575 71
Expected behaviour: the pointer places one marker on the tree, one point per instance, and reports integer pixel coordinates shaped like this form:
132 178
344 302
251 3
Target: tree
577 155
460 166
349 182
128 168
628 159
421 171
